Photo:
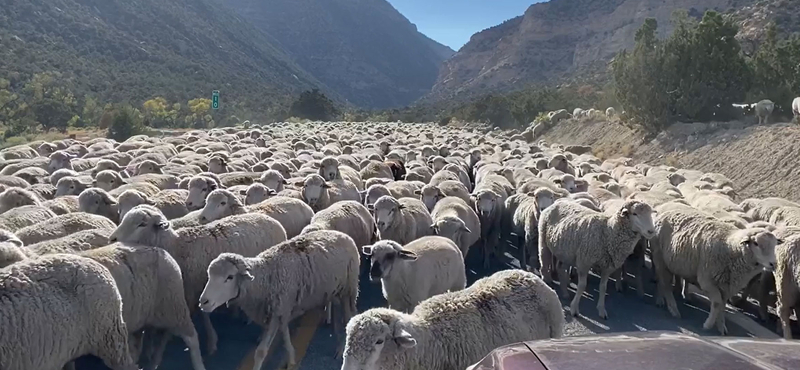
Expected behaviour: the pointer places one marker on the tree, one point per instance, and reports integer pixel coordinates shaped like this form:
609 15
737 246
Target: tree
126 122
52 113
314 105
775 70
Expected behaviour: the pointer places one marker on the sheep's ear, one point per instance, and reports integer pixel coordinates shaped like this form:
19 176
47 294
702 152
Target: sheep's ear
94 183
367 250
285 182
371 207
418 192
246 274
745 241
402 206
624 212
272 192
299 184
465 229
326 186
163 225
16 242
407 255
404 339
242 191
435 229
780 241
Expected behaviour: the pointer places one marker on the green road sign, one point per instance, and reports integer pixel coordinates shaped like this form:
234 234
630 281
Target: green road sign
215 99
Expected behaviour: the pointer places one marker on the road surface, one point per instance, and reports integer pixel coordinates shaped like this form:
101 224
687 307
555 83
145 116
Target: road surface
315 344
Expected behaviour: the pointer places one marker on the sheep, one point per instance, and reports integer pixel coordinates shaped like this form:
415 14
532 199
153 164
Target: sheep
171 202
430 194
199 187
75 242
20 217
33 175
70 185
17 197
349 217
453 218
148 166
763 110
401 220
721 258
377 169
787 280
195 247
314 269
57 308
525 224
611 112
97 201
490 205
57 175
273 180
110 180
257 193
373 192
292 213
454 330
319 194
796 109
585 239
62 225
331 170
103 165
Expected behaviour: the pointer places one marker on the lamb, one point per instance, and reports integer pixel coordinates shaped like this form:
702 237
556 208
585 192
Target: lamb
409 274
195 247
20 217
317 268
51 317
763 110
171 202
349 217
585 239
401 220
454 330
721 258
320 194
63 225
787 280
292 213
97 201
453 218
199 187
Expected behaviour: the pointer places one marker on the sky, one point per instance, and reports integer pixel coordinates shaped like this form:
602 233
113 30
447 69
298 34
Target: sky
453 22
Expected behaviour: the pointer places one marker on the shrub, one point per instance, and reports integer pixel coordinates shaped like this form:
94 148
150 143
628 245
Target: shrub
126 122
314 105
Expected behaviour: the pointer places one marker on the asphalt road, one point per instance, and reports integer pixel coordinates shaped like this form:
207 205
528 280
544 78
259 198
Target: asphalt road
315 343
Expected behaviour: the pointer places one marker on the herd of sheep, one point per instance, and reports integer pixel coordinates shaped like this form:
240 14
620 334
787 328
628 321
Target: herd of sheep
109 248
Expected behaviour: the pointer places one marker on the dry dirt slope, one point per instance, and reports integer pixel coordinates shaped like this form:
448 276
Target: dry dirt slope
761 160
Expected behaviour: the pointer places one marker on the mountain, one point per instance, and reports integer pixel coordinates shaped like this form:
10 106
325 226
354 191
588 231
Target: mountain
363 49
561 39
132 50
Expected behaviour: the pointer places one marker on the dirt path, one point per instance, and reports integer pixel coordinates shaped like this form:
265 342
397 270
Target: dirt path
762 160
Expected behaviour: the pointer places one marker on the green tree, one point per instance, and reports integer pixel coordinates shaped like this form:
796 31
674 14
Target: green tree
52 113
314 105
126 122
776 71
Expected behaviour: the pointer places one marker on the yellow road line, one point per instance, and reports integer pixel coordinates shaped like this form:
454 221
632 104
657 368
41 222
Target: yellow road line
301 338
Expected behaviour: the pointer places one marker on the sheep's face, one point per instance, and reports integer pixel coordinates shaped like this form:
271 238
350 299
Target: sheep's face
10 253
199 187
450 227
581 186
69 186
218 205
139 225
108 180
13 197
566 182
148 167
129 199
258 193
762 244
217 165
386 209
427 151
45 149
367 335
485 202
313 189
373 193
430 195
641 218
95 202
283 169
383 256
59 160
330 172
612 187
541 164
544 199
438 163
273 180
225 273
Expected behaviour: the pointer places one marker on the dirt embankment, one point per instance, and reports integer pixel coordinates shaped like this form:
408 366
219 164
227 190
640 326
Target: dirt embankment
761 160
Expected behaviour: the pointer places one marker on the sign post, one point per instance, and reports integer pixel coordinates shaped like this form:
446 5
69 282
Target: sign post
215 99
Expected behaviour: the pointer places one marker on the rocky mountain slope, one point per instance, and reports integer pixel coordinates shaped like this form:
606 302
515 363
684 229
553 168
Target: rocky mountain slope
564 38
131 50
364 49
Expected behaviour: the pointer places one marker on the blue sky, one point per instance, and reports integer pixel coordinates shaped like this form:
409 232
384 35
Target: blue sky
453 22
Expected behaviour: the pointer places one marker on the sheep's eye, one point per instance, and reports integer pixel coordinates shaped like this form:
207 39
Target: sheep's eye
229 278
72 186
143 224
205 189
112 181
755 243
223 203
379 342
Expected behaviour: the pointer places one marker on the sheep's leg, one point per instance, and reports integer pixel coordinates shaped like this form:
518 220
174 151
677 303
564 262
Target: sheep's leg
287 344
582 276
664 293
211 334
266 341
639 267
619 275
765 282
601 300
546 261
161 338
193 343
563 279
786 296
135 343
523 244
717 312
329 317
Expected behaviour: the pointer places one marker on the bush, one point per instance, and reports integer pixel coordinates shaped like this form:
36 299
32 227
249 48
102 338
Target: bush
315 106
126 122
776 72
52 113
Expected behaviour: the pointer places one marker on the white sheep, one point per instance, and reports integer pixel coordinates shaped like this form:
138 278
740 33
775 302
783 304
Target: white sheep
611 112
401 220
75 242
199 187
69 185
349 217
796 109
171 202
195 247
55 176
525 224
293 214
282 283
373 192
721 258
97 201
320 194
579 237
453 218
57 308
787 280
20 217
454 330
61 226
414 272
18 197
331 170
763 110
110 180
430 194
489 197
273 180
